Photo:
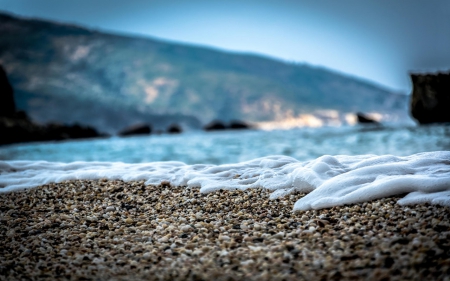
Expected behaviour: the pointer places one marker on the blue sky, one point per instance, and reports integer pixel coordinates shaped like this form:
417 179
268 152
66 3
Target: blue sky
381 41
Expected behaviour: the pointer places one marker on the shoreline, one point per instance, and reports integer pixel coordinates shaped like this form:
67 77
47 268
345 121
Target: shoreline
115 230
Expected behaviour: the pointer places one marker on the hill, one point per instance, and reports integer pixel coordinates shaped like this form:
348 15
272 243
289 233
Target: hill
69 74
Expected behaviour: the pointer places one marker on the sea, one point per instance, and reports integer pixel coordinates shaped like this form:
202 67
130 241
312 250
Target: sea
333 165
225 147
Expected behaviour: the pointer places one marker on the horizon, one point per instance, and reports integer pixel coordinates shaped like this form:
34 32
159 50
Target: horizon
344 40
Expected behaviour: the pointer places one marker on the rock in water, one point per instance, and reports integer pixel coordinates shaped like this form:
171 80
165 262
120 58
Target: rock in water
138 129
239 125
215 126
174 129
219 126
7 104
430 99
364 119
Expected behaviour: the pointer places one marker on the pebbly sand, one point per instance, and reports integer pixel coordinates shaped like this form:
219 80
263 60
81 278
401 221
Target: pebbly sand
114 230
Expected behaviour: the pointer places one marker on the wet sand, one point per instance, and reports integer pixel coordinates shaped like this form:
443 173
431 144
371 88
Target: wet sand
114 230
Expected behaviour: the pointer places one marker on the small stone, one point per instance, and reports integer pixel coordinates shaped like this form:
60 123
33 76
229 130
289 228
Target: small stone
224 237
163 239
186 228
197 252
247 262
279 235
91 218
26 252
165 183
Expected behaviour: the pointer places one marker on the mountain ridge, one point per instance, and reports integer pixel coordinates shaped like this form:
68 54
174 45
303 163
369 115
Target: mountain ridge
144 79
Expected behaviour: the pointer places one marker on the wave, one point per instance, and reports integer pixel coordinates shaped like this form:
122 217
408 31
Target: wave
328 180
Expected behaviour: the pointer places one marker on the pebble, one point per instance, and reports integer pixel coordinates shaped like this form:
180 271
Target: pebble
279 235
58 231
224 237
186 228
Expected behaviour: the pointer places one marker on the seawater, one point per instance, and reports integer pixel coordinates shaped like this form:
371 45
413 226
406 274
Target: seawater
237 146
335 166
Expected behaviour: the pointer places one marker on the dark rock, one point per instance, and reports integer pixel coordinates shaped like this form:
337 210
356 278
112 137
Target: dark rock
21 115
239 125
174 129
15 130
15 126
19 130
364 119
430 98
234 125
138 129
7 104
215 126
62 132
165 183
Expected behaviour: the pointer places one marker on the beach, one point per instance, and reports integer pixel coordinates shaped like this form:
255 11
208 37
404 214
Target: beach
116 230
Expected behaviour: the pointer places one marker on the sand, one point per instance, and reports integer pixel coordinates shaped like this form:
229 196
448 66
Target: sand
114 230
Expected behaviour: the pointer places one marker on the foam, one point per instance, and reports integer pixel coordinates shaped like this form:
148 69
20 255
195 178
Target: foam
328 180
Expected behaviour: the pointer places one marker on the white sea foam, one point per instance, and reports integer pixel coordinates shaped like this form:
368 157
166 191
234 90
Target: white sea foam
329 180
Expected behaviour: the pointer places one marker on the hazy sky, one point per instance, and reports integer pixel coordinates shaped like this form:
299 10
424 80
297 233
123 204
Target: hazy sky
379 40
